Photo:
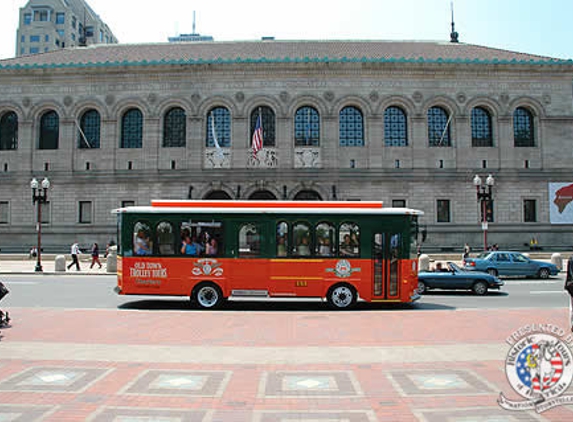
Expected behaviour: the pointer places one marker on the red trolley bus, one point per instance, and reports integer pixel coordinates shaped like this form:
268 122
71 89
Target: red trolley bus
211 251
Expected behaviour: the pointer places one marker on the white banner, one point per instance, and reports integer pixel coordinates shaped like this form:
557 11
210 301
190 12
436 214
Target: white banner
561 203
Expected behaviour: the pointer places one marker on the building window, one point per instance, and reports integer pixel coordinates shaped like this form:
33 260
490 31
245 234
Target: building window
395 127
89 132
439 127
125 204
219 127
132 129
34 38
46 38
9 131
530 211
351 127
74 22
22 38
268 118
61 33
27 18
49 130
85 209
174 127
34 50
41 16
482 135
100 35
306 127
4 212
523 134
89 31
443 211
60 18
398 203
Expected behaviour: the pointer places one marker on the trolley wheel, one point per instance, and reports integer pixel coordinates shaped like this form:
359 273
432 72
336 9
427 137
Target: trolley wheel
341 296
207 295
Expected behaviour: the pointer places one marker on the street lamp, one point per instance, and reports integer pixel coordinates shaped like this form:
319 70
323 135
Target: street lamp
484 197
39 196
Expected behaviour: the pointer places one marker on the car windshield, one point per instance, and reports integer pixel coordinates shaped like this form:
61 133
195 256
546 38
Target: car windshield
483 255
453 267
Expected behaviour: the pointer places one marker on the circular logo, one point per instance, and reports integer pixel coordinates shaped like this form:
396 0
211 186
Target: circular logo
539 365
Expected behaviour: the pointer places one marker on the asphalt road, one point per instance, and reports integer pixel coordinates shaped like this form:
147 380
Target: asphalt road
96 292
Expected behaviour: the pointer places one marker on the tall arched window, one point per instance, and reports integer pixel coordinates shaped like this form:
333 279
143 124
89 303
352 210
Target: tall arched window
90 127
132 129
439 127
395 127
174 128
268 119
523 133
218 127
482 135
351 127
306 127
9 131
49 130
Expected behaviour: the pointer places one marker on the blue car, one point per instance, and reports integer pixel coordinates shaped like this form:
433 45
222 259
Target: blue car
453 277
503 263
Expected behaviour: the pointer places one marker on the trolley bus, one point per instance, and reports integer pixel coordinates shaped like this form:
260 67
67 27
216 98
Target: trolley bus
212 251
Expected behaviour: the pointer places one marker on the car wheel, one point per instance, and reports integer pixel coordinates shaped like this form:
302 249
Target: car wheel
341 296
492 271
480 288
422 289
543 273
207 296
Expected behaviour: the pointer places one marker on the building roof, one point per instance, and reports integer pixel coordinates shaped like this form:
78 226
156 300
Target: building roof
231 52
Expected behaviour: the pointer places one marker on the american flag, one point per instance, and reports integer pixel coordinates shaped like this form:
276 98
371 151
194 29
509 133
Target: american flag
530 370
258 136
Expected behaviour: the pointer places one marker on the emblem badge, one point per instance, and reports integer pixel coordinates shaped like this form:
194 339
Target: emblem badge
207 267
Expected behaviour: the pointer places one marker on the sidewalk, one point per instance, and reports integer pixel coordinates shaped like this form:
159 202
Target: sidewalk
22 265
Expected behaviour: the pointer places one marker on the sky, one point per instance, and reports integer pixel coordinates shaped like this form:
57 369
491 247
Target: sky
543 27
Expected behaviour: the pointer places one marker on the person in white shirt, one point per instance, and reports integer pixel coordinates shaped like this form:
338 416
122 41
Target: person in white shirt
75 251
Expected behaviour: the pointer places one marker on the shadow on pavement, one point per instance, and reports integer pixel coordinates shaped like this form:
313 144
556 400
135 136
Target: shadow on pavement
464 293
276 306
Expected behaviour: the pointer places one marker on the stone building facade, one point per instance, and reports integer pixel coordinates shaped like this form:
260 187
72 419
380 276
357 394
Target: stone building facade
409 123
48 25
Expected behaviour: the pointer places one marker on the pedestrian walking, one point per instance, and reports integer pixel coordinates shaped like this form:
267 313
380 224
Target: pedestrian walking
75 252
569 288
467 251
95 255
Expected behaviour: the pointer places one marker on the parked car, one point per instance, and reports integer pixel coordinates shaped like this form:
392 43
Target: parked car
453 277
504 263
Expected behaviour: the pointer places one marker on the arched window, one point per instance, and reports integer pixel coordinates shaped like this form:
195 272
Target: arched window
132 129
302 240
351 127
89 132
263 195
439 127
395 127
174 128
142 243
349 240
218 194
523 134
9 131
307 195
306 127
268 120
165 238
482 135
49 130
282 239
325 239
219 127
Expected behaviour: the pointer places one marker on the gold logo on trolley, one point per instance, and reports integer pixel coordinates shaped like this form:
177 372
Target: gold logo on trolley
343 269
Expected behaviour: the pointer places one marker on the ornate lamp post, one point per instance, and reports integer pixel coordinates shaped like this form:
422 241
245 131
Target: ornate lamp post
484 197
39 196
